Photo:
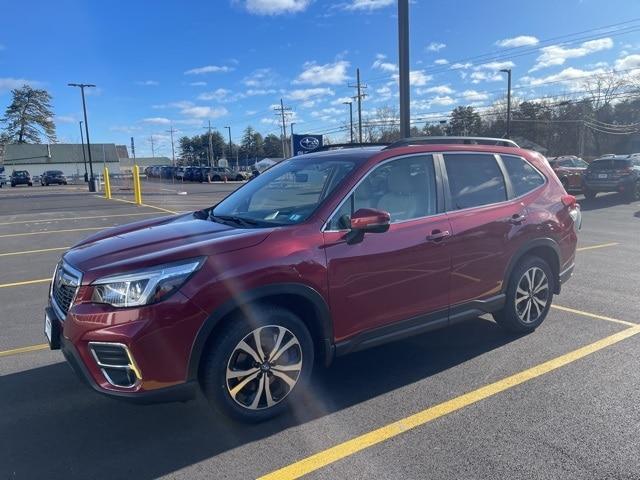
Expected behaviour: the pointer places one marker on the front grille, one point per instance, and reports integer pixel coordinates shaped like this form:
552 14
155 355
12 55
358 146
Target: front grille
65 285
114 355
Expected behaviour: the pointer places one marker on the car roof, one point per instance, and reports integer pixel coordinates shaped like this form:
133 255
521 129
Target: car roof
614 157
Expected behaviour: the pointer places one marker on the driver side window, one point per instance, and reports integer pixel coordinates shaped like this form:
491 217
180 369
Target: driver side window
405 188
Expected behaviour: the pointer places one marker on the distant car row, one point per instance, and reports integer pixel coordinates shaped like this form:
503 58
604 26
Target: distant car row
194 174
608 173
22 177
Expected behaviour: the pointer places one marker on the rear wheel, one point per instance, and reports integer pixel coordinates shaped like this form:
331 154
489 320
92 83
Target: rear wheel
529 296
257 366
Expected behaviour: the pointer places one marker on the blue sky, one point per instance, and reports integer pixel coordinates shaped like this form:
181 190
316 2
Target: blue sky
161 64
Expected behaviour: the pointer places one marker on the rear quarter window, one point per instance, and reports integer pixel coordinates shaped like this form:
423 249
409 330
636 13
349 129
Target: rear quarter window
474 180
524 178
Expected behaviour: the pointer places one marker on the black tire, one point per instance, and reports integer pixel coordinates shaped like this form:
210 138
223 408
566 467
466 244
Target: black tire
13 185
223 356
239 178
633 193
30 184
216 178
589 194
513 316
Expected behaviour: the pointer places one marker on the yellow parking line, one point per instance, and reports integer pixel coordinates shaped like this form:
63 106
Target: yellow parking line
142 205
43 220
26 282
362 442
34 251
593 315
32 348
52 231
593 247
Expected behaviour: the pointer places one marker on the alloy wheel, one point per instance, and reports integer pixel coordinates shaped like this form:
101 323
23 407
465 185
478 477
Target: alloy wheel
532 295
264 367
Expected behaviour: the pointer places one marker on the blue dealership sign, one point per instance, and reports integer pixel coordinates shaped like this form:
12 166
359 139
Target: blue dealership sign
305 143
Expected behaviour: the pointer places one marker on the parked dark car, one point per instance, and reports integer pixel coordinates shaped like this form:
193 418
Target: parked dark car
569 170
220 173
166 172
20 177
52 176
321 255
619 173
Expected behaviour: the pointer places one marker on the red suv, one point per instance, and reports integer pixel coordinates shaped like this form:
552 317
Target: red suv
570 170
322 255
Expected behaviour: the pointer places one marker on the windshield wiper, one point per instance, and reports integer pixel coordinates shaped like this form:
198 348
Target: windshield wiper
227 219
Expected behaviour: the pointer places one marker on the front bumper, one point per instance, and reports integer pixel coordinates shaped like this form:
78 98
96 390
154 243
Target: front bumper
159 337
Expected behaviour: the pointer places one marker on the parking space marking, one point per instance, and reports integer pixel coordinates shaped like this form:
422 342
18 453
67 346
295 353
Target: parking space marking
593 315
142 205
593 247
362 442
25 282
16 351
61 219
46 232
26 252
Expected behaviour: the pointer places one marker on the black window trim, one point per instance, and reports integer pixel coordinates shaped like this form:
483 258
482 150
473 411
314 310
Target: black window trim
440 196
542 175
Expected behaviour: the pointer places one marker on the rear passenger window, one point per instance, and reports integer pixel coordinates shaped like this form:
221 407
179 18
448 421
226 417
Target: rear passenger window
474 180
524 177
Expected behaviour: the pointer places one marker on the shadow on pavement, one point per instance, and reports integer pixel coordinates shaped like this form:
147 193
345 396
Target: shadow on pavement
52 426
603 201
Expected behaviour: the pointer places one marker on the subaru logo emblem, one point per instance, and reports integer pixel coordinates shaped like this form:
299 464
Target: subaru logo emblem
309 143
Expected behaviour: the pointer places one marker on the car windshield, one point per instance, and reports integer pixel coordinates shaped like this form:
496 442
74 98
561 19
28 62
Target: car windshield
287 193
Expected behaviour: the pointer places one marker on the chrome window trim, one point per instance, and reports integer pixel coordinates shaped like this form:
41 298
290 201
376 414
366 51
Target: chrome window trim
375 167
75 275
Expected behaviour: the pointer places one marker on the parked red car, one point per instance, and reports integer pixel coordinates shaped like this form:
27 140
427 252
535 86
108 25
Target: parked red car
321 255
570 170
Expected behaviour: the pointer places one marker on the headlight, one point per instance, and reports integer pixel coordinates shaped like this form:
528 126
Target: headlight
144 286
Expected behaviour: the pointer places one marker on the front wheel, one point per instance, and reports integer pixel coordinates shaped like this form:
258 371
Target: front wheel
529 296
258 364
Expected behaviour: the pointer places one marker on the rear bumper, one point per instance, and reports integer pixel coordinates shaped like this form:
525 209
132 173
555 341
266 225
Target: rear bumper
608 185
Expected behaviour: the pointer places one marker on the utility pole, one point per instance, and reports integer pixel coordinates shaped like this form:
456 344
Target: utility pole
230 146
350 118
84 158
153 151
282 110
133 149
173 151
82 86
210 148
292 149
359 96
508 72
403 65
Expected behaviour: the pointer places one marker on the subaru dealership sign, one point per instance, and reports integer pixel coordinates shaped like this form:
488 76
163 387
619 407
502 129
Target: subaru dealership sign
305 143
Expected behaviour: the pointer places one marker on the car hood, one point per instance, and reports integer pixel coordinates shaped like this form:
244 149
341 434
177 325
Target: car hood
153 242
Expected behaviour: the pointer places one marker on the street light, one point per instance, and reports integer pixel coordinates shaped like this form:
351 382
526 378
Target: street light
508 72
82 86
230 148
350 116
84 158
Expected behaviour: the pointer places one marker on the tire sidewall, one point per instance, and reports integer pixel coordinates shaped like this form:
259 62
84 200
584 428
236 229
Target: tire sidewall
213 377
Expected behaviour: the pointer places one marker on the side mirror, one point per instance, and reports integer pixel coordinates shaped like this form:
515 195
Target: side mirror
368 220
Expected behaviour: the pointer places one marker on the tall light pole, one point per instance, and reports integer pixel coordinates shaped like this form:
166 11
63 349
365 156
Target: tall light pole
350 117
508 72
230 145
293 153
84 157
403 65
82 86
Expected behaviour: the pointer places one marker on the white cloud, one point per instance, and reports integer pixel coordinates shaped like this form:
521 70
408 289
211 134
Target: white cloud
442 101
461 66
438 90
330 73
418 78
148 83
495 66
380 64
629 62
252 92
475 96
9 83
219 95
261 78
65 119
341 100
275 7
198 84
368 4
208 69
572 77
305 93
480 76
125 129
157 121
204 112
519 41
557 55
441 61
436 46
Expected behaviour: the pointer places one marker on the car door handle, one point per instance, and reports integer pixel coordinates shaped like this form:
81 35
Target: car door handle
438 235
517 219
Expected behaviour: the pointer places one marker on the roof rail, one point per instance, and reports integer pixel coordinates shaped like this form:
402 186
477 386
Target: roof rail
337 146
498 142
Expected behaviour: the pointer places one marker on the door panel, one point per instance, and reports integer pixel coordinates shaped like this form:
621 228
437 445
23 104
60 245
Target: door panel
388 277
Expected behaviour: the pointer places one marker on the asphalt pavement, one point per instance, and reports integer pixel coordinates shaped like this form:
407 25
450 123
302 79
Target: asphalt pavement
468 402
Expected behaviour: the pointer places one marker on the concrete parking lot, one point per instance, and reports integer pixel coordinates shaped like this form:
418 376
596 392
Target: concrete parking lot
464 403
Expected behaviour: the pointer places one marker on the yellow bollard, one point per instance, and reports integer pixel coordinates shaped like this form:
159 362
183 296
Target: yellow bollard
136 185
107 184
